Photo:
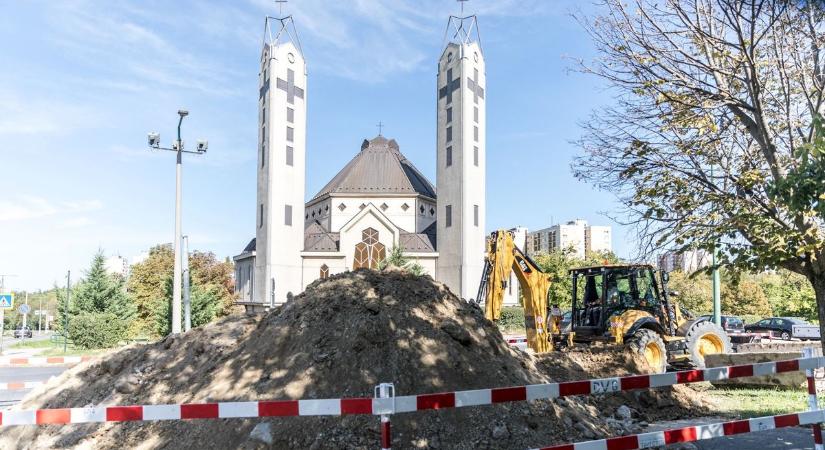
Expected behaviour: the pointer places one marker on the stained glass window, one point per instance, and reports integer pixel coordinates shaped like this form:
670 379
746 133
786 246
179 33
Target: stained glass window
369 252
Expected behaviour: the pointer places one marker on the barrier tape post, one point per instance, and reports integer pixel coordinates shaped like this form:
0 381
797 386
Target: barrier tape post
813 404
386 391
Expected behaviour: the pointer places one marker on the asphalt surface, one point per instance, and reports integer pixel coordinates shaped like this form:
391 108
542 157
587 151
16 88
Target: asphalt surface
792 438
9 374
796 438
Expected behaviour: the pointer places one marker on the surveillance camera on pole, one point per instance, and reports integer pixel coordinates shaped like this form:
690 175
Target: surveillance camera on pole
154 139
177 147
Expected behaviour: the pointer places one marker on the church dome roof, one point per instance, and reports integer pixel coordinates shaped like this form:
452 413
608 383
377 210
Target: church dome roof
379 168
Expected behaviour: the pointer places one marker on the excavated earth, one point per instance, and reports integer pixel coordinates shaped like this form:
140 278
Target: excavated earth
340 338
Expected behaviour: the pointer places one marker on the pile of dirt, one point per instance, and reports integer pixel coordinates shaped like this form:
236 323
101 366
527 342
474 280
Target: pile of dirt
340 338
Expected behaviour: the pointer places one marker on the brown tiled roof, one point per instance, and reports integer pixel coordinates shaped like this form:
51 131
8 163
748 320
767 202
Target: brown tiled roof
318 239
379 168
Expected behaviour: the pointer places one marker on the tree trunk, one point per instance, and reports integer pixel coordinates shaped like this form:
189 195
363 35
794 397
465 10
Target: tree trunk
818 282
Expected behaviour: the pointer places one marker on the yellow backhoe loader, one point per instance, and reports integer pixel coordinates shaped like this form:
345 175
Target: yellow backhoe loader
620 303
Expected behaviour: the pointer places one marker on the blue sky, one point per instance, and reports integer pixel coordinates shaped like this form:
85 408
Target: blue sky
85 80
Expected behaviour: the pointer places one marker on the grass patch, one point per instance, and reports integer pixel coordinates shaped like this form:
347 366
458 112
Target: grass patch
72 351
756 402
33 344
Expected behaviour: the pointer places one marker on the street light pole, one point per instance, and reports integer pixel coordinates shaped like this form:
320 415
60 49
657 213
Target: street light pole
176 284
154 142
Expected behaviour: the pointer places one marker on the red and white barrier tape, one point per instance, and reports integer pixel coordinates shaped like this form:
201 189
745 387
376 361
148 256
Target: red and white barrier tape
393 404
42 360
225 410
20 385
516 340
458 399
696 433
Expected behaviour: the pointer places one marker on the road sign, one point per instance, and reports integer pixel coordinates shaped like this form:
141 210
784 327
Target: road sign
23 309
6 301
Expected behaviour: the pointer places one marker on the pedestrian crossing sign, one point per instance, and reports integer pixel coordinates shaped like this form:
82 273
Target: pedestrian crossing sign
6 301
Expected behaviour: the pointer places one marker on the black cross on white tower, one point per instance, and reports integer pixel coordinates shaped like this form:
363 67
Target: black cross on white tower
452 85
289 87
477 90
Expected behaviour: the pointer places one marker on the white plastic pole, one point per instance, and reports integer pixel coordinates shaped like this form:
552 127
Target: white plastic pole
385 390
813 404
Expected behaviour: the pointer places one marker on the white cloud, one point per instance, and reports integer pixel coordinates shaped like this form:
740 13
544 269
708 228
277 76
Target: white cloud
31 207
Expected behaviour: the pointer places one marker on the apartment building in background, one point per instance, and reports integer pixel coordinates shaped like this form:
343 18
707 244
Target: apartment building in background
576 234
688 262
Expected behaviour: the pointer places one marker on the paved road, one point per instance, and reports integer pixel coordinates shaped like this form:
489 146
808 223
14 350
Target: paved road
795 438
8 374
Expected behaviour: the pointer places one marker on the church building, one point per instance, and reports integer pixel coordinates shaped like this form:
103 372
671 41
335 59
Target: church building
379 200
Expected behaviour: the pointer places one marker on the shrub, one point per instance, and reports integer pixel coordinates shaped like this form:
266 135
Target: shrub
512 318
97 330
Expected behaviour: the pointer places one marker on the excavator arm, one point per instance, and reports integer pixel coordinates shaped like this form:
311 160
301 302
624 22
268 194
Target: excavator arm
503 256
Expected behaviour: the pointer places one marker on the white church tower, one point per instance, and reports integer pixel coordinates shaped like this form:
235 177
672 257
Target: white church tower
281 164
460 173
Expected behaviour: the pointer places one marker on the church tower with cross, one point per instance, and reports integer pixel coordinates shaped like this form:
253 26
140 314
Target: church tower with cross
281 163
461 149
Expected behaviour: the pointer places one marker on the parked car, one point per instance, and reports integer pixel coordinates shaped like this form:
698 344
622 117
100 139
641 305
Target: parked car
731 324
781 327
22 332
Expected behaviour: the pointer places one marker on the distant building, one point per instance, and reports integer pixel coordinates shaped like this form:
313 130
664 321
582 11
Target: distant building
687 262
575 234
117 265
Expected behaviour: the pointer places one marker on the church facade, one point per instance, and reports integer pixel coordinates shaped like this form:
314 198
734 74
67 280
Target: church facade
379 200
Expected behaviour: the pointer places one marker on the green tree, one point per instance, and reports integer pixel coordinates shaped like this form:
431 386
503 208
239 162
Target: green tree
789 294
695 291
147 286
558 263
745 297
396 258
99 297
206 306
713 139
150 284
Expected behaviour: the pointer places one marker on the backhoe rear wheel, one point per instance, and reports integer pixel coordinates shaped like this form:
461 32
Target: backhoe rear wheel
651 347
706 338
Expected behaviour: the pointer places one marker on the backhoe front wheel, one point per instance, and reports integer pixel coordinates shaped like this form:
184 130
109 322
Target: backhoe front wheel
650 346
706 338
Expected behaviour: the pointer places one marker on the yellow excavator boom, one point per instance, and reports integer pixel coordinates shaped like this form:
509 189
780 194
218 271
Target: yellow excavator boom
503 257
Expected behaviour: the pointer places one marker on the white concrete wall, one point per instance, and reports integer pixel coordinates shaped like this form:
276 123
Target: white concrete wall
245 278
320 211
280 184
352 233
406 220
462 184
312 263
429 261
426 217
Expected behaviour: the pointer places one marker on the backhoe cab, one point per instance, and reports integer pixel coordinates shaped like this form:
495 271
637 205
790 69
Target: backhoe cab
626 303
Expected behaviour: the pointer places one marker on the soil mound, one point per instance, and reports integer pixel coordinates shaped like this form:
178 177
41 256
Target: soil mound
340 338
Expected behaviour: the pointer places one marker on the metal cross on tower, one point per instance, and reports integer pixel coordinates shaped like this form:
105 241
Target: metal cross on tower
380 127
452 85
461 2
289 87
281 6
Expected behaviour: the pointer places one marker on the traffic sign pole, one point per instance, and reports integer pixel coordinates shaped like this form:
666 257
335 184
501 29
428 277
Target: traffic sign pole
6 302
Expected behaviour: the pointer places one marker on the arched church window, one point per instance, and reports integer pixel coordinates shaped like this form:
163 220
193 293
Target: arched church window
369 252
324 271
